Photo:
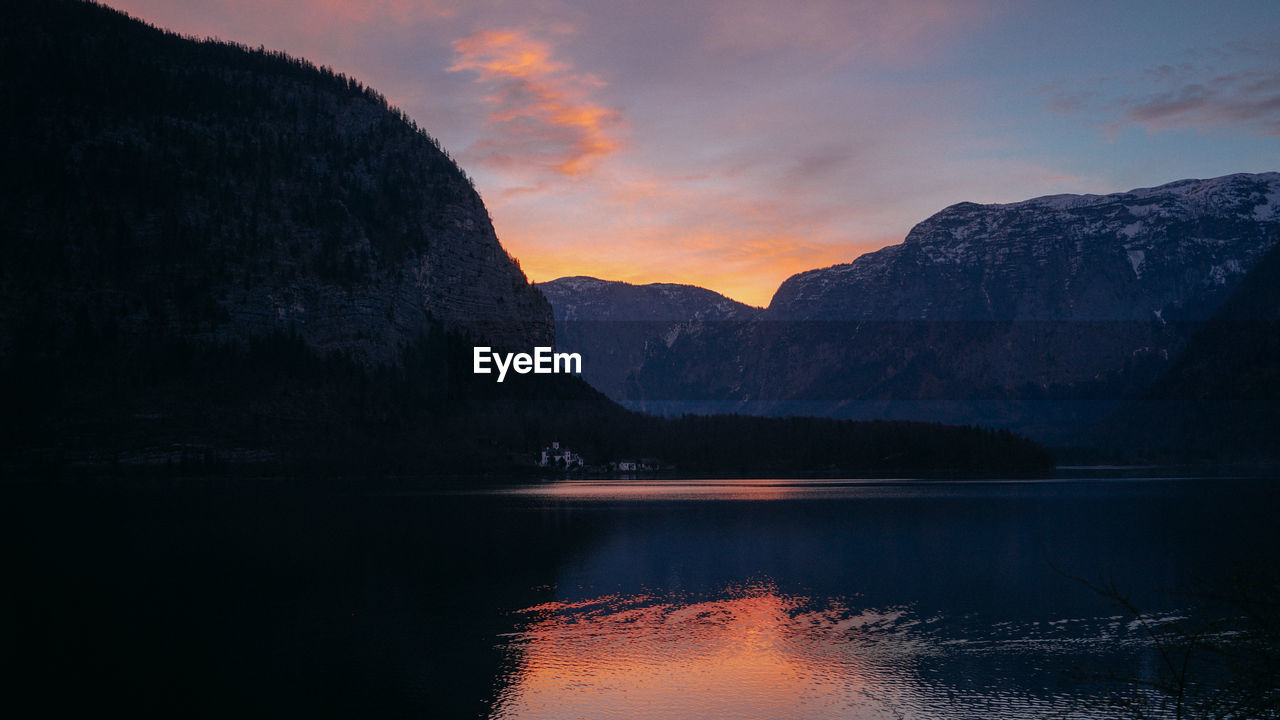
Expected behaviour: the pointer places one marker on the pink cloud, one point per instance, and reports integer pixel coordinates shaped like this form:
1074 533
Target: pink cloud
542 116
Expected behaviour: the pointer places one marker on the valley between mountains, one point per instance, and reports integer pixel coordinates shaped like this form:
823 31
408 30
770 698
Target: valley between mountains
1045 316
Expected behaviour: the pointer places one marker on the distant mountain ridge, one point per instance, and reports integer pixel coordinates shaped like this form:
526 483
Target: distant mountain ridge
582 298
612 323
1036 315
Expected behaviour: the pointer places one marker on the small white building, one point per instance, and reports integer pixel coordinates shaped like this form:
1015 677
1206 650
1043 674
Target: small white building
554 456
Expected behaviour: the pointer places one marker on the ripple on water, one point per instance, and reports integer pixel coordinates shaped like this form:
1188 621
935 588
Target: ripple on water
753 653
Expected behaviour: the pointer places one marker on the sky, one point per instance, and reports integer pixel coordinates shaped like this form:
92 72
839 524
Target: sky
732 143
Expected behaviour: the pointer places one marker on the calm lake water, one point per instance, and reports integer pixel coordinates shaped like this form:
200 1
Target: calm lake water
673 599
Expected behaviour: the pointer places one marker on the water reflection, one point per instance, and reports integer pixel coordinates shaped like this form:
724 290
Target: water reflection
859 600
756 654
739 489
683 599
751 653
681 489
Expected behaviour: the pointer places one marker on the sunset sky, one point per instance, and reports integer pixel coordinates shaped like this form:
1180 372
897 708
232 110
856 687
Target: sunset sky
732 143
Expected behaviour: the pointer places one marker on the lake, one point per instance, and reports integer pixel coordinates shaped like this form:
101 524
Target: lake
607 599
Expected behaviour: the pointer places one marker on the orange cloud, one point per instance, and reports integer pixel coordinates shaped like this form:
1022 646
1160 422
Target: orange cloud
543 118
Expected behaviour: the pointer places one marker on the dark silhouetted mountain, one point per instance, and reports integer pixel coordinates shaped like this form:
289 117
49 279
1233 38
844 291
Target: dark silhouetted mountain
612 324
208 251
1037 315
166 187
215 258
1220 401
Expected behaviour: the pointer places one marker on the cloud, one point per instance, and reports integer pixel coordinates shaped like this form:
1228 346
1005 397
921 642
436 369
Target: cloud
1245 99
1181 96
542 116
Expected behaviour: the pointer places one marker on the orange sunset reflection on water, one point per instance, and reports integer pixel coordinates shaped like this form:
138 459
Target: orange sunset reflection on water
747 654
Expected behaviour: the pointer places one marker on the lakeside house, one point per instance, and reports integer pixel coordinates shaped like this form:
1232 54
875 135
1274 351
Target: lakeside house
561 458
558 457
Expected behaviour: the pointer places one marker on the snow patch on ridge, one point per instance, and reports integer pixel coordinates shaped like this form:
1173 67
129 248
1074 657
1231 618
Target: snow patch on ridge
1270 209
1137 258
1132 229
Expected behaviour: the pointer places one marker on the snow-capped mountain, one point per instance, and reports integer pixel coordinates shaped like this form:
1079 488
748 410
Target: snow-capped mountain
1140 255
1035 315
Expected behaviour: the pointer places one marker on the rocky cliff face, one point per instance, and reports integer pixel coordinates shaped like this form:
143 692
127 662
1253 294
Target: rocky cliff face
1220 400
614 324
1034 315
158 186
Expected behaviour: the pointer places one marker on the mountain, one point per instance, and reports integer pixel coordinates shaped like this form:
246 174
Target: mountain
158 186
1148 254
1036 315
1220 401
215 259
612 324
211 254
